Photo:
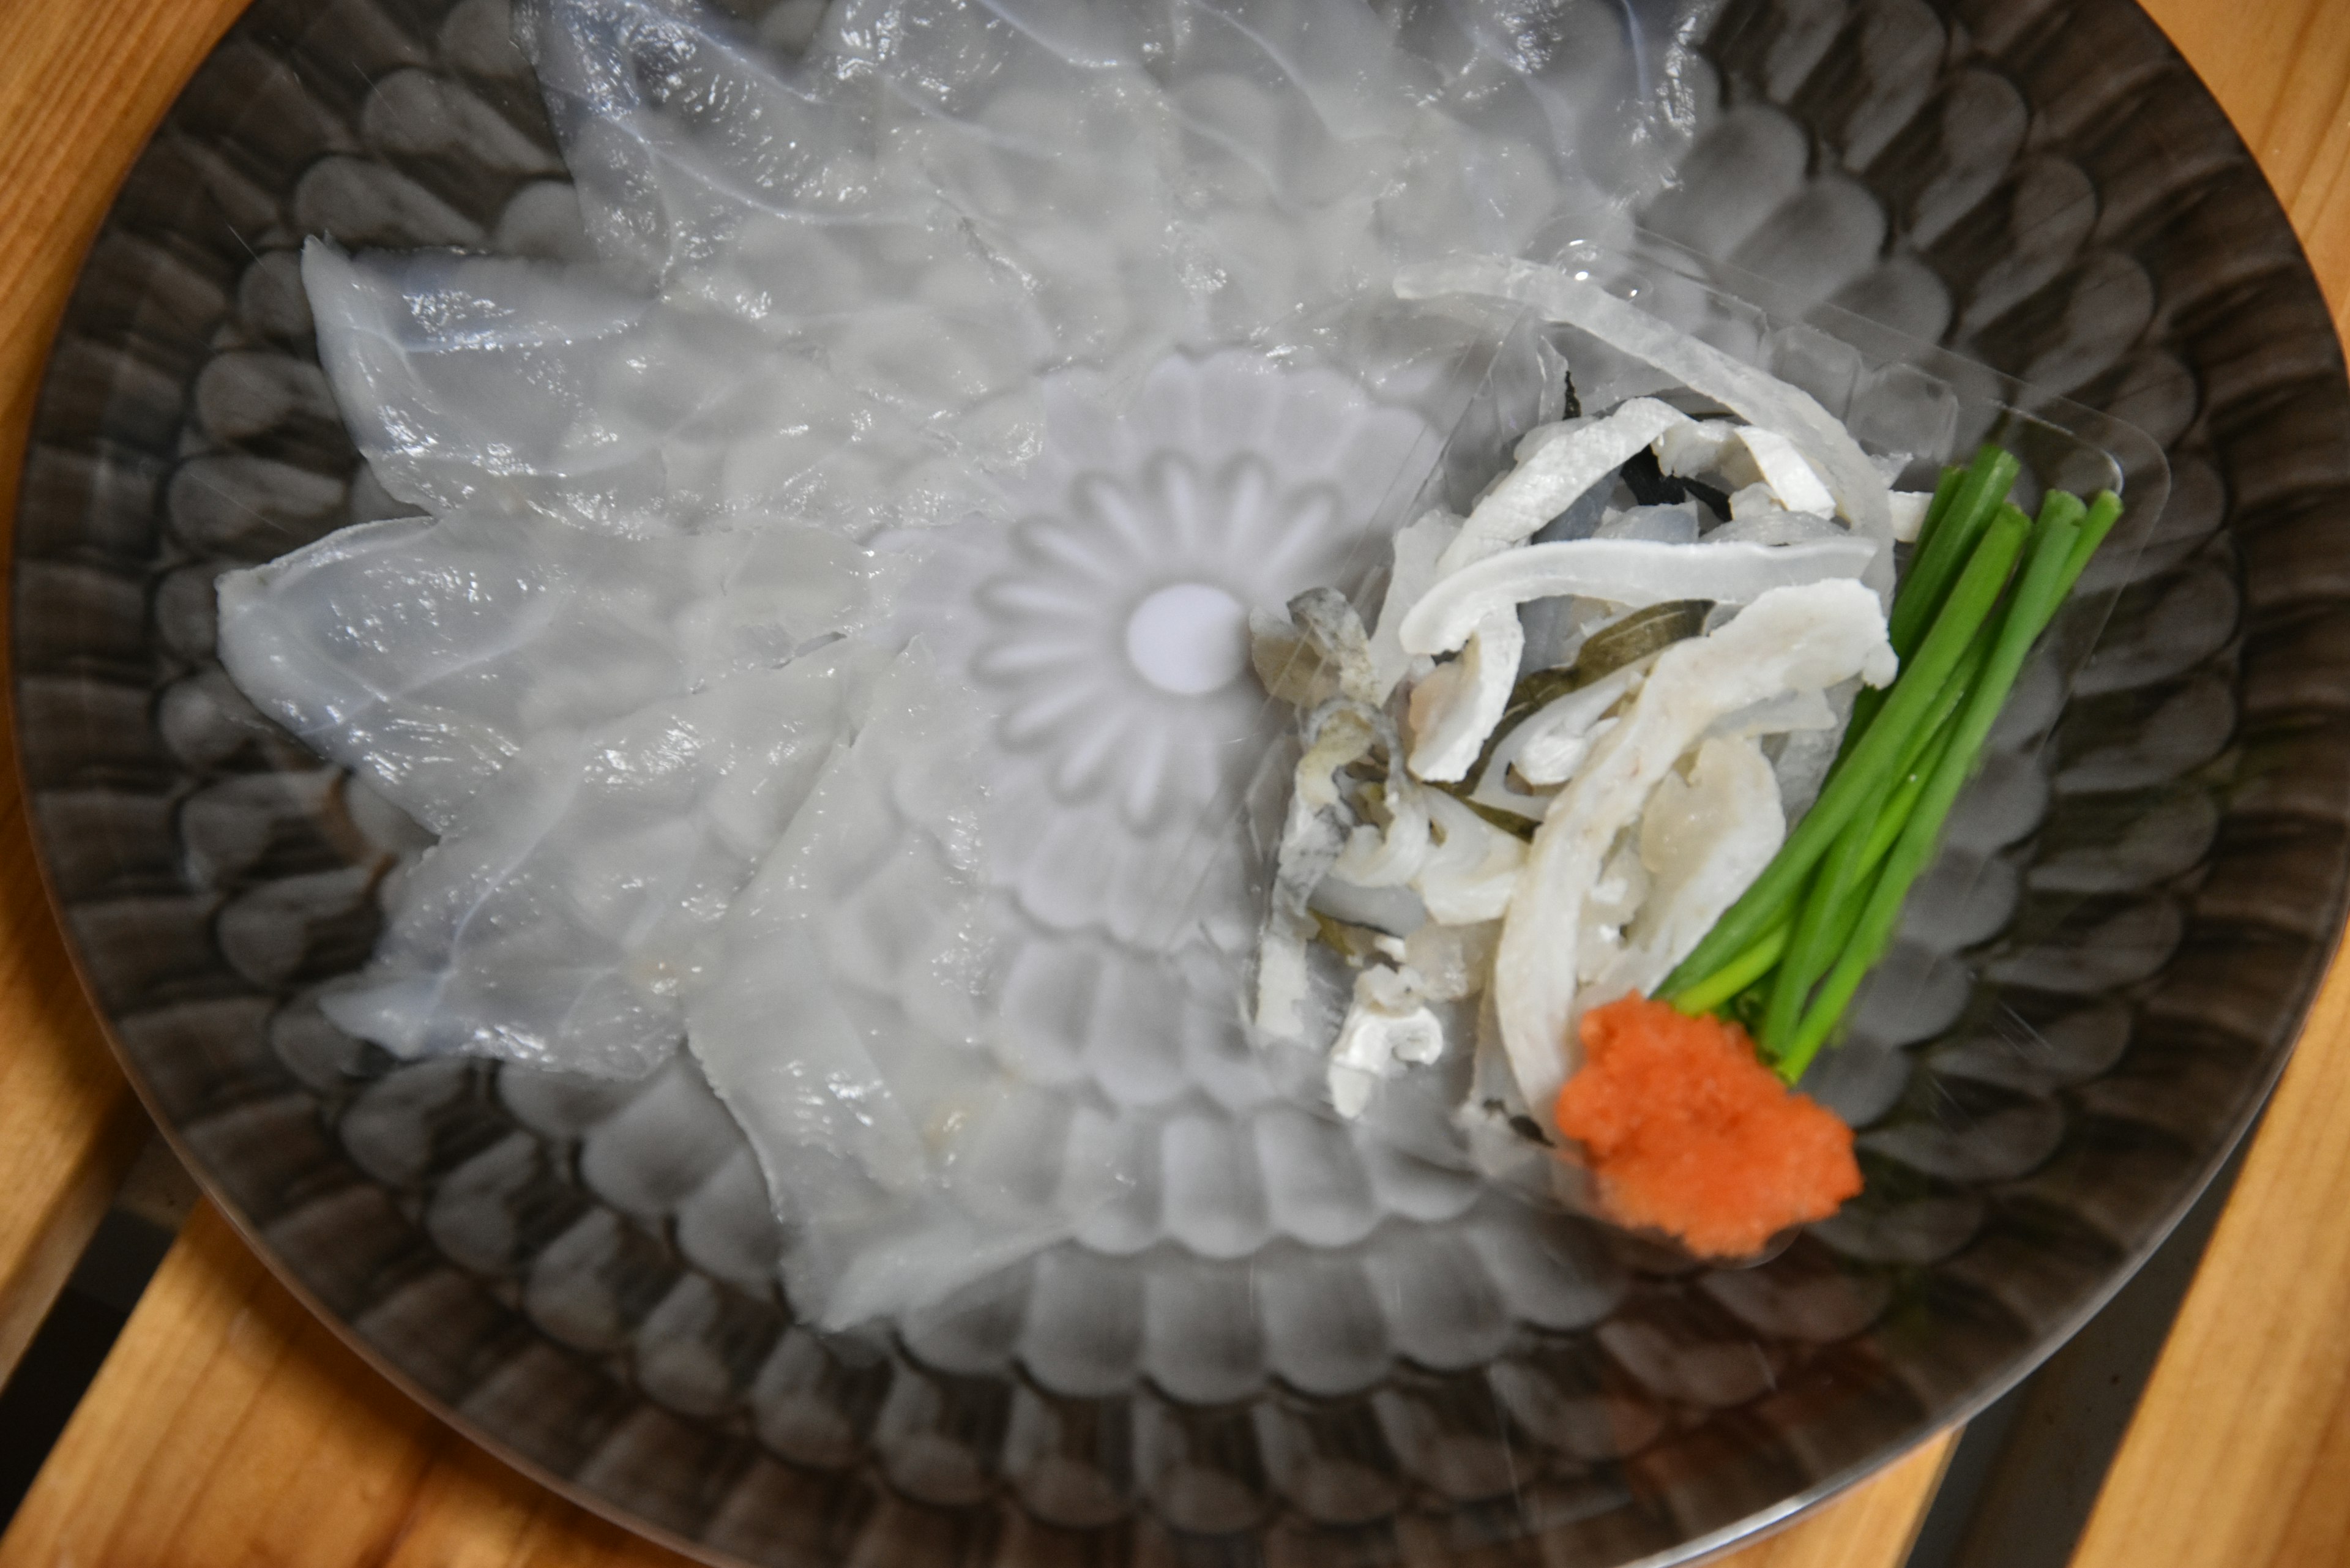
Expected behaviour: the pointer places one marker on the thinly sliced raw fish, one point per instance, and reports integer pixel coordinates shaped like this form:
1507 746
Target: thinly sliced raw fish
425 655
560 914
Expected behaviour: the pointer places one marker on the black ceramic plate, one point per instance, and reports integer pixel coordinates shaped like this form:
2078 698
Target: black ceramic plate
2040 185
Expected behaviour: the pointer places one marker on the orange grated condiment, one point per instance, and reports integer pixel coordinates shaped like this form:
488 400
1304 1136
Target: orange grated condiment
1687 1133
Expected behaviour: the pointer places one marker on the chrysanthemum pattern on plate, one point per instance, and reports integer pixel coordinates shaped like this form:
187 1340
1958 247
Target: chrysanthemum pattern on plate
1103 616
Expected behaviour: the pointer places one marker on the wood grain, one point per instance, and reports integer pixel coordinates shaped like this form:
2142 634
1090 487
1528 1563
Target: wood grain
2239 1455
230 1427
2282 70
81 86
1873 1526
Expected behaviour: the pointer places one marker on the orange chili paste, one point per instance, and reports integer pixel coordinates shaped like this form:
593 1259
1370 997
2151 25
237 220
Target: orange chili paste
1687 1133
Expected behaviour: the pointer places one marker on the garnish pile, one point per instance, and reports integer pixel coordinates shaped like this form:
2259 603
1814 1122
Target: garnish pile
1622 791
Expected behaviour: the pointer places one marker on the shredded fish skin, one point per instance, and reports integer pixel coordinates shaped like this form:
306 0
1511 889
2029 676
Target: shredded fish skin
1759 398
1699 447
1631 571
1792 480
1471 877
1317 828
1556 475
1335 631
1388 856
1702 840
1795 638
1909 508
1778 526
1418 548
1551 475
1313 836
1449 732
1551 742
1388 1026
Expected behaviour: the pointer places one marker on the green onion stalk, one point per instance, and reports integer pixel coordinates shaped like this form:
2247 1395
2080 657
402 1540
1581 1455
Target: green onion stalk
1984 583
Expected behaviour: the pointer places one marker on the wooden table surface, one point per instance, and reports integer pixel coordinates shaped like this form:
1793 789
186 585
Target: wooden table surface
229 1426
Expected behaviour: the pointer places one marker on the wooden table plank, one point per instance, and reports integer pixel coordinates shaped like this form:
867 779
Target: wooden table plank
230 1427
68 1125
2239 1455
81 86
1873 1526
2282 70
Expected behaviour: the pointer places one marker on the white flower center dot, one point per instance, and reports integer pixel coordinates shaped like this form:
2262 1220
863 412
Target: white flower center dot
1189 638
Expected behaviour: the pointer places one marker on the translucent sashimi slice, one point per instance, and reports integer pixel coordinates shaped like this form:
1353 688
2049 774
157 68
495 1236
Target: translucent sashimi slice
488 381
841 1019
557 917
667 160
424 655
774 192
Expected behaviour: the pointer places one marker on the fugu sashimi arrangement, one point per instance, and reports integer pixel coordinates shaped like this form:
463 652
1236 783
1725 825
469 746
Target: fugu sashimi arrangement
822 642
1641 871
